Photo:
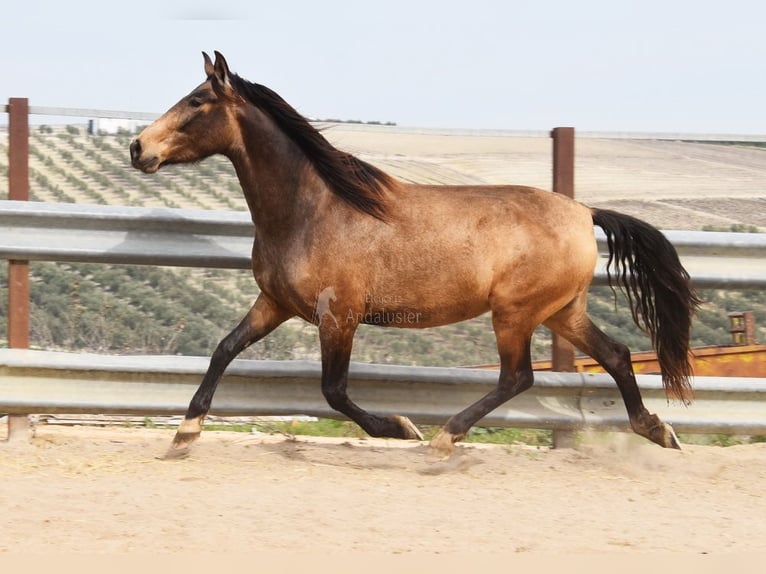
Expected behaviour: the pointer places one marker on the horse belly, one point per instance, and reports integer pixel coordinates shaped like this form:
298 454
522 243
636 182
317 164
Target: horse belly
411 318
429 300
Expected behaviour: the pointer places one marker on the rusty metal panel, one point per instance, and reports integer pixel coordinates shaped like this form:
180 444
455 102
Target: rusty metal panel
741 361
736 361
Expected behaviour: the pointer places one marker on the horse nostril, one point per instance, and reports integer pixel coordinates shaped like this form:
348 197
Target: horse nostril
135 150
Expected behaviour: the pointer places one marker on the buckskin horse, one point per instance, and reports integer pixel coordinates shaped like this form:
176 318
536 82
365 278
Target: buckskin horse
336 234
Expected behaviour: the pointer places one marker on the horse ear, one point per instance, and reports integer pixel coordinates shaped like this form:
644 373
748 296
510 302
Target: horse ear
221 69
209 70
220 77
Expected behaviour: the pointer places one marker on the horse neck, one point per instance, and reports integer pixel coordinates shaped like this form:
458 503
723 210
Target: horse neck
278 182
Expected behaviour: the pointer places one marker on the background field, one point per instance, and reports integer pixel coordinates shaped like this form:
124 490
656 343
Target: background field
116 309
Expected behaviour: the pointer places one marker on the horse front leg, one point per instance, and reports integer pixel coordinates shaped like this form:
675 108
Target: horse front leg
262 318
516 376
336 342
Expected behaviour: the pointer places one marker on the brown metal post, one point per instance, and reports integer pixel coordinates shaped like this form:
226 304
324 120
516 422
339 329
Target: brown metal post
18 189
18 271
563 183
563 356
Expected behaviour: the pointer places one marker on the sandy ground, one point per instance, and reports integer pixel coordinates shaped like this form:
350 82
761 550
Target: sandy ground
92 490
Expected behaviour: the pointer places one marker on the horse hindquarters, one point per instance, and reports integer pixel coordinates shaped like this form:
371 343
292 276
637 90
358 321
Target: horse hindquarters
662 303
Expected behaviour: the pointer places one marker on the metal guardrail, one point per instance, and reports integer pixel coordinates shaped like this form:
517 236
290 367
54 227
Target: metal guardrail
671 136
43 382
88 113
219 239
40 231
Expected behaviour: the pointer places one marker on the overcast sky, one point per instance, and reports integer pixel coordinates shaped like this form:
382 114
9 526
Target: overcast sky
644 65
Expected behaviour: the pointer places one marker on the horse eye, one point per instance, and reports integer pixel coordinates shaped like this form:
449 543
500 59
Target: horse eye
196 102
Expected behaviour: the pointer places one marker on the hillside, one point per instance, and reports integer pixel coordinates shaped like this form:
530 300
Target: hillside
674 185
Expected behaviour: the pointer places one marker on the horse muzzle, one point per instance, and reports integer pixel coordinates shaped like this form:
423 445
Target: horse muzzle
140 160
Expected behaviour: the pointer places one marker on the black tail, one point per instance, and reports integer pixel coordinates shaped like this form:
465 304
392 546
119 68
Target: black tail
662 301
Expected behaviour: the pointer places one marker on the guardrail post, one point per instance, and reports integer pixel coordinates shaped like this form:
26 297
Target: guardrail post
18 271
562 359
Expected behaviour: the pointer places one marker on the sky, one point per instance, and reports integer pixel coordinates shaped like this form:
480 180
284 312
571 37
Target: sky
598 65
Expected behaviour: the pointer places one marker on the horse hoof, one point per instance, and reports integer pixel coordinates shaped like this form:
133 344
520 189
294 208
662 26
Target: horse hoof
409 430
661 433
664 435
670 438
188 431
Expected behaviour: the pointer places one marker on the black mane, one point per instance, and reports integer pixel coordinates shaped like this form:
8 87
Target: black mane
355 181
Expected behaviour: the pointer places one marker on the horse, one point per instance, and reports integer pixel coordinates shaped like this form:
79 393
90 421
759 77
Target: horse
336 236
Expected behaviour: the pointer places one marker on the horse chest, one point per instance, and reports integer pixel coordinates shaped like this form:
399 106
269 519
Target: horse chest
284 281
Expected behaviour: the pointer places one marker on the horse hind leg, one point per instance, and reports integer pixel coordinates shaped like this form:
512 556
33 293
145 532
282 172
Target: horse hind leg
574 325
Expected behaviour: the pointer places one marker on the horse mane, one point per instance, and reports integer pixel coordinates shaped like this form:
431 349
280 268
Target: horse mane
355 181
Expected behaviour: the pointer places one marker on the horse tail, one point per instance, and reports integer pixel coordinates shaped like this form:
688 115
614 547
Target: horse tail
662 301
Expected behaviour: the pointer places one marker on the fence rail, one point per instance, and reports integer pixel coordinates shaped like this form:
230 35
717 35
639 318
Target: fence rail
397 129
37 382
216 239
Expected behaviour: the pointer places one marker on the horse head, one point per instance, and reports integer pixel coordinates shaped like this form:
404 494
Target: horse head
194 128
